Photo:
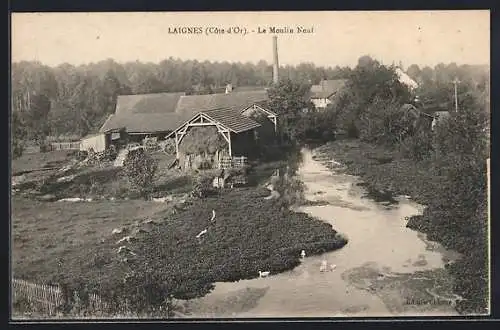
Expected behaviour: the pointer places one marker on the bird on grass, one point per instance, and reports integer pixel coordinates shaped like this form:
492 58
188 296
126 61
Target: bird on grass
263 274
212 220
203 232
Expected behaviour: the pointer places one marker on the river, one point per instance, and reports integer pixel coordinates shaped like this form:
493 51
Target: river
385 269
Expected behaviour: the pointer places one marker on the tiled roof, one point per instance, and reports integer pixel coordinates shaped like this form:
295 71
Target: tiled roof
231 119
327 88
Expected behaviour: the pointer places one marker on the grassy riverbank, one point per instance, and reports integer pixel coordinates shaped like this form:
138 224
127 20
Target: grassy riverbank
456 215
163 257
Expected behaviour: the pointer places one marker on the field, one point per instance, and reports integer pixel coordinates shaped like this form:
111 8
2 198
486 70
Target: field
45 232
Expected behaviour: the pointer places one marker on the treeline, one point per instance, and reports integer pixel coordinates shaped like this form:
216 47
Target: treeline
71 99
369 107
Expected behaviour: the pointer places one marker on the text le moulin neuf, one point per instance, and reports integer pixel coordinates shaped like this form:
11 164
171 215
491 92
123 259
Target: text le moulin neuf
240 30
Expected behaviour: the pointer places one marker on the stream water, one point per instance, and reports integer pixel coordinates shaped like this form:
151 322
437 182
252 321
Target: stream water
385 269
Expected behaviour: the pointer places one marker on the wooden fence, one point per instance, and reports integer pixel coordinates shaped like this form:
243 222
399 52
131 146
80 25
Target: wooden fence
47 298
65 146
235 162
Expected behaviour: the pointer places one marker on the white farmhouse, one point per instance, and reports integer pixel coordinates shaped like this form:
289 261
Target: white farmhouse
324 93
405 79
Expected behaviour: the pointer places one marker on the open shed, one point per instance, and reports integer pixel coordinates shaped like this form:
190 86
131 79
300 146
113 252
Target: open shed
237 130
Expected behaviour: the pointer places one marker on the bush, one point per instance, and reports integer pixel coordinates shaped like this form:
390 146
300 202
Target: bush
169 146
140 169
418 146
110 153
203 185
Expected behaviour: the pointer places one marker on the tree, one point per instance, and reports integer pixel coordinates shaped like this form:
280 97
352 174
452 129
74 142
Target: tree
18 135
140 169
414 71
369 82
289 100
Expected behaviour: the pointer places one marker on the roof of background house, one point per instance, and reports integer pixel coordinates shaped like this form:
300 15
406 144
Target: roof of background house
235 100
144 122
147 103
249 88
442 114
406 79
148 114
327 88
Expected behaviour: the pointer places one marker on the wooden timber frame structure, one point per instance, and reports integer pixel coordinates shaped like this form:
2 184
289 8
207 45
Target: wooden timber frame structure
273 117
203 119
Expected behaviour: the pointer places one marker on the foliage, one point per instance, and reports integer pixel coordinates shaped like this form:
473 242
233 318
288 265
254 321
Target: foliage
317 126
18 136
289 99
202 141
140 169
417 146
369 84
203 185
110 153
463 133
385 122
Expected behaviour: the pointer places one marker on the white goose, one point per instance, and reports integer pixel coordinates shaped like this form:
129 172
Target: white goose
264 274
203 232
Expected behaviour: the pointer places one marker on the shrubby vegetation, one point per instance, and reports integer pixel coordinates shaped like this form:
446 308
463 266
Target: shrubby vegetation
140 169
444 169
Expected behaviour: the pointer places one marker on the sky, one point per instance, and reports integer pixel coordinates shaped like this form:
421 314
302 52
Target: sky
337 38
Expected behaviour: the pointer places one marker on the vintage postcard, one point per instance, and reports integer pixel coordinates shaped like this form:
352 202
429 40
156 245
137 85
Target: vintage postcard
250 164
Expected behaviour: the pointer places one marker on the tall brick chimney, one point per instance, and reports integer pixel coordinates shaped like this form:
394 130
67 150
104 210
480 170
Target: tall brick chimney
275 60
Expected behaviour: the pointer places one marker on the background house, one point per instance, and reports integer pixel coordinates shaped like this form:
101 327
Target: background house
406 79
144 115
100 141
324 93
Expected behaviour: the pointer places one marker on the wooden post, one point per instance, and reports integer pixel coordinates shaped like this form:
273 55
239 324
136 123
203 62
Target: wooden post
176 146
229 143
